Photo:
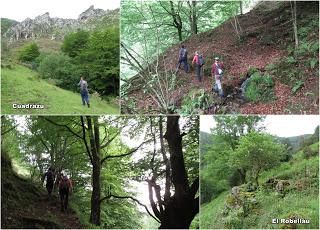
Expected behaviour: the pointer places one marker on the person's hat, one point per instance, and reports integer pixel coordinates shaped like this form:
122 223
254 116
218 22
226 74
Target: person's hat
216 58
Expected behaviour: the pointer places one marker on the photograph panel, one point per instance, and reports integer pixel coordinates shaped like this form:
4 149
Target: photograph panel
259 172
219 57
60 57
89 172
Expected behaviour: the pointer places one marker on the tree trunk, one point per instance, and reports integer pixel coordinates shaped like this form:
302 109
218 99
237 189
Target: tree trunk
180 34
241 8
96 167
179 217
193 17
182 207
294 20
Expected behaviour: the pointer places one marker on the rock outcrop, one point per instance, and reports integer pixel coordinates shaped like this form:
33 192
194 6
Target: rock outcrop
57 28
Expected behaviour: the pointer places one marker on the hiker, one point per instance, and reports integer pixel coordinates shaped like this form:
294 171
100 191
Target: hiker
84 91
183 58
217 73
50 180
65 187
199 62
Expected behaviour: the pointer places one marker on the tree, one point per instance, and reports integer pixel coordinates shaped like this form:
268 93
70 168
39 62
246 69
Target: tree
170 168
294 22
58 67
29 52
95 147
257 152
75 42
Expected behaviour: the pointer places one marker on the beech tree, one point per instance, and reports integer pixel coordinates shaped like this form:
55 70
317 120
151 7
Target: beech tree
171 171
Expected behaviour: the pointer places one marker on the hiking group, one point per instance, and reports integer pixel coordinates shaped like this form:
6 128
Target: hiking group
198 62
84 91
62 182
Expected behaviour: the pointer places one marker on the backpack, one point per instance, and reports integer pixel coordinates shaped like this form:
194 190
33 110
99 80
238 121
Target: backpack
201 60
183 54
64 184
219 69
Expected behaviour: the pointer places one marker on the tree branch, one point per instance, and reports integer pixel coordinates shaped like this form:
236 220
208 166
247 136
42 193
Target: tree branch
123 155
132 198
85 140
65 126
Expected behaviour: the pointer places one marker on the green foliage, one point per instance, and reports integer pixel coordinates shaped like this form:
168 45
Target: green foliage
195 102
218 173
259 88
29 53
257 152
6 24
59 68
96 57
75 42
297 86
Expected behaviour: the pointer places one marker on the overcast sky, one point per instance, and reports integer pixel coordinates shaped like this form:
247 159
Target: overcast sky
280 125
22 9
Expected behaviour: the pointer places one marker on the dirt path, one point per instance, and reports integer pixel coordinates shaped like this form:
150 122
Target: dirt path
67 219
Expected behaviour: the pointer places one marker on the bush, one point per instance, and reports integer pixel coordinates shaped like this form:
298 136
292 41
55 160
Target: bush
29 53
259 88
58 68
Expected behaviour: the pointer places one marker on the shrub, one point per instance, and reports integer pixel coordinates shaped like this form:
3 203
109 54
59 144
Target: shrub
259 88
59 69
29 53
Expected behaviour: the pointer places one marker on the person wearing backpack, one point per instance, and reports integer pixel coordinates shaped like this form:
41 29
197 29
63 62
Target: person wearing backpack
84 91
49 175
217 73
199 62
65 188
183 58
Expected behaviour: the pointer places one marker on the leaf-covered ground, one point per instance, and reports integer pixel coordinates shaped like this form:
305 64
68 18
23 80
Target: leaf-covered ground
26 205
266 35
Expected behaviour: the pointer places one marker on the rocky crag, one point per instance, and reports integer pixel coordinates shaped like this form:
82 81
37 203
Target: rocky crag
57 28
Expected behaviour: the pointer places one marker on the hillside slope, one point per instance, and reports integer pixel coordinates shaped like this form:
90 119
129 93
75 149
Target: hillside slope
22 86
299 198
25 205
267 34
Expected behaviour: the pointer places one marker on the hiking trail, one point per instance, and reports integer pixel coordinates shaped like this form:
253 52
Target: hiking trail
264 41
26 205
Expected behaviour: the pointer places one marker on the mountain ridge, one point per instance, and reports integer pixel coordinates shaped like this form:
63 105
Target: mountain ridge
56 28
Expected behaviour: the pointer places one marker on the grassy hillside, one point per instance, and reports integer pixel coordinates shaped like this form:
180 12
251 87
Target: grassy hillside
22 85
6 24
298 200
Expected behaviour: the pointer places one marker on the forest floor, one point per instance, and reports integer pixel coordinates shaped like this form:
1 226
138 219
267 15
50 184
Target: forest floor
21 85
264 41
26 205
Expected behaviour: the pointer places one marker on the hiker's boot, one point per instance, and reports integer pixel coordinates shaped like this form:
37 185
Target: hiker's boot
88 105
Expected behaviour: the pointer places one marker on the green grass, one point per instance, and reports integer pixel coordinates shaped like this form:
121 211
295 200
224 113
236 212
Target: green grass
303 202
22 86
211 213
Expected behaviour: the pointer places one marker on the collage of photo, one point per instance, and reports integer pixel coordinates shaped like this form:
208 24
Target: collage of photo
159 114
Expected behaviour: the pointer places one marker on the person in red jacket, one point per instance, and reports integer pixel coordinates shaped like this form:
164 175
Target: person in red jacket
199 62
65 187
217 73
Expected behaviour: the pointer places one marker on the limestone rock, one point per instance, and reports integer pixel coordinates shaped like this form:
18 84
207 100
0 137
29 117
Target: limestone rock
57 28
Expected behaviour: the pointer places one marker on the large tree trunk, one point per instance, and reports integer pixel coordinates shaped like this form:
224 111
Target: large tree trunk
96 167
182 206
